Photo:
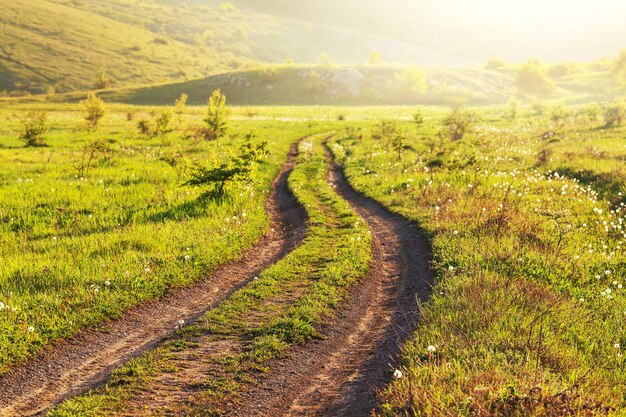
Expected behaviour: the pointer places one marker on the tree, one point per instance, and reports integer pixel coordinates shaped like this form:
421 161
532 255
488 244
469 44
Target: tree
495 64
181 103
102 80
217 115
619 67
95 110
532 78
374 58
34 128
418 118
593 111
458 122
513 108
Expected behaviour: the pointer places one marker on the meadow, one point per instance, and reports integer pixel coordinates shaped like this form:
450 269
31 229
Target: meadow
82 241
527 221
525 214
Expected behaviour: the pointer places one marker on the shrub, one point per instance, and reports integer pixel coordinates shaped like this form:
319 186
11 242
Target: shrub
615 114
237 169
91 151
593 112
418 118
458 122
160 126
532 78
163 123
217 115
102 81
539 108
181 103
95 110
513 108
385 131
34 128
560 70
495 64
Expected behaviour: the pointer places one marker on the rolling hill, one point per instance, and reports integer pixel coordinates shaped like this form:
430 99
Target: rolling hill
60 45
49 46
372 85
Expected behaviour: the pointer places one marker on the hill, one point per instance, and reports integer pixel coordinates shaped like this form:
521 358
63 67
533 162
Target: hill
59 45
374 84
330 84
49 46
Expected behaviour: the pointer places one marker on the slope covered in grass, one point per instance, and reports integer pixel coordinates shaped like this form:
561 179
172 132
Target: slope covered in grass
376 84
48 46
332 84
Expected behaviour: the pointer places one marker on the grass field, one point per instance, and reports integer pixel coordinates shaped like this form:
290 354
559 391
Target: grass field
81 245
528 239
526 217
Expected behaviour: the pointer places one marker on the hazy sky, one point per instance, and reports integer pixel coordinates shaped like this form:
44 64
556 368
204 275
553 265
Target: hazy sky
515 30
478 29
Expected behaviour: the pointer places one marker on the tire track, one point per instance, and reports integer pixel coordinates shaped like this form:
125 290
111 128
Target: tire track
339 376
85 361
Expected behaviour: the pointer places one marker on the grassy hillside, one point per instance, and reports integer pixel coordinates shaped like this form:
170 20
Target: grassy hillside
381 84
47 45
59 45
329 84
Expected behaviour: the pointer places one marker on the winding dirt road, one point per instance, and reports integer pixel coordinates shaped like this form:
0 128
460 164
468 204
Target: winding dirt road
74 366
339 375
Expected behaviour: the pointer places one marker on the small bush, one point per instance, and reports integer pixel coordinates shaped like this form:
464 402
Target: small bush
34 128
102 81
95 110
418 118
217 115
181 103
238 169
615 114
458 122
91 151
160 126
495 64
560 70
532 78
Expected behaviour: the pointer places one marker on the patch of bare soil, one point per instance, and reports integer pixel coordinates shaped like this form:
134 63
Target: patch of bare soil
340 374
71 367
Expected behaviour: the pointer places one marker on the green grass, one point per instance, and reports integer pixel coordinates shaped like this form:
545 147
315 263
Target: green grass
59 46
334 256
76 249
528 307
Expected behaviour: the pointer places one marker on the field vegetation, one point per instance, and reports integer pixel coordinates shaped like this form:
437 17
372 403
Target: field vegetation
527 220
103 220
524 207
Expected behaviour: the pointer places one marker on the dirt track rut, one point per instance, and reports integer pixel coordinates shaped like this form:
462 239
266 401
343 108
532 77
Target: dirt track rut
339 375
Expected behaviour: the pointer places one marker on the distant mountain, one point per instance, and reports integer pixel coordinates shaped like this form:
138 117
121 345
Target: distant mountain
61 45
